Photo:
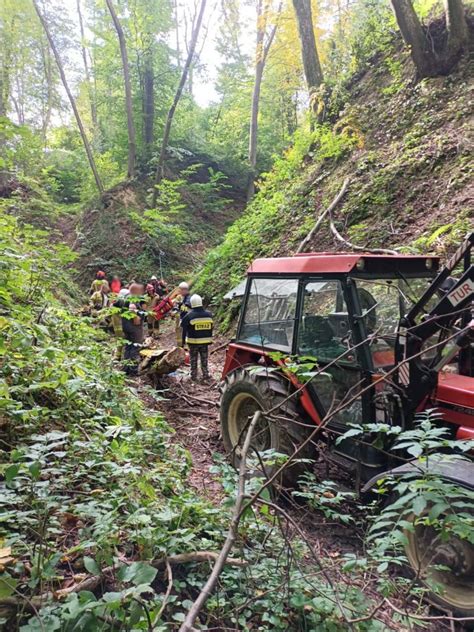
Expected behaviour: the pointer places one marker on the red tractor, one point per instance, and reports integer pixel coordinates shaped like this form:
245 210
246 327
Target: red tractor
392 336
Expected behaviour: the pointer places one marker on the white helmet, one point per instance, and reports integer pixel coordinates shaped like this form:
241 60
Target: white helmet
196 301
183 286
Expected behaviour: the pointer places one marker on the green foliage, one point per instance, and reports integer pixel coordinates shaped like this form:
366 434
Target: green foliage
258 232
21 149
420 498
328 498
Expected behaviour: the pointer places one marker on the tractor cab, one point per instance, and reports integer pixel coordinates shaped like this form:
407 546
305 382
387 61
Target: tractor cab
340 310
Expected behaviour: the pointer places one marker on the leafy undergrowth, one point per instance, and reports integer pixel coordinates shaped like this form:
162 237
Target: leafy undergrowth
94 490
408 162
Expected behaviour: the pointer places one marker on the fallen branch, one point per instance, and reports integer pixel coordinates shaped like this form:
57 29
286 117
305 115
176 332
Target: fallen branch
196 556
91 583
320 219
219 348
168 589
232 533
192 411
346 242
425 618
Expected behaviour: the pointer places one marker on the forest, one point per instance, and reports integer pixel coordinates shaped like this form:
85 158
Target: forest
236 315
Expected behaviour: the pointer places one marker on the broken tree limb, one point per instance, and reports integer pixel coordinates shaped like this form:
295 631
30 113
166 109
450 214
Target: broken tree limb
196 556
158 362
90 583
192 411
232 533
219 348
339 237
327 211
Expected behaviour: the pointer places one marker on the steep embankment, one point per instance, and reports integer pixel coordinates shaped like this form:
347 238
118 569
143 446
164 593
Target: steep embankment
407 152
195 207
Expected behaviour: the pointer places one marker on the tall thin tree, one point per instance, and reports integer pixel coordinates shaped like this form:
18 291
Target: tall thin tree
148 102
132 146
456 23
72 101
261 53
90 89
179 91
309 52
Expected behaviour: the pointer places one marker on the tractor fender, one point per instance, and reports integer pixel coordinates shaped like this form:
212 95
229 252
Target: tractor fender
457 471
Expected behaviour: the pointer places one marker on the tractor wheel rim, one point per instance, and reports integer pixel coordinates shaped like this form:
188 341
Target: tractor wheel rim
425 551
241 410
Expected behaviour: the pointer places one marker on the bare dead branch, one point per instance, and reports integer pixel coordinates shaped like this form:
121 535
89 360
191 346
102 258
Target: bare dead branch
232 533
330 208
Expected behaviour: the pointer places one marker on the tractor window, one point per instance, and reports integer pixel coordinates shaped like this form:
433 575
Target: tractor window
383 302
269 317
324 330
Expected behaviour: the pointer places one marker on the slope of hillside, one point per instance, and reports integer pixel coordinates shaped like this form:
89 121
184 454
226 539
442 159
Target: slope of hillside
195 207
407 151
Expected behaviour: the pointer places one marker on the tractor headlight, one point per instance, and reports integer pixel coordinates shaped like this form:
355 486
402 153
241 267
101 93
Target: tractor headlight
429 264
360 265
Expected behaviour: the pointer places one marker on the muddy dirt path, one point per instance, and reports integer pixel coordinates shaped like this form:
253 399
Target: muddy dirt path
191 409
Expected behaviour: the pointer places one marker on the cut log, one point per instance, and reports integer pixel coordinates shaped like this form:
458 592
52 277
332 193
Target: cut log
157 362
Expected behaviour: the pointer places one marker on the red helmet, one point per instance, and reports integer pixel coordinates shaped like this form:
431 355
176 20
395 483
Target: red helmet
100 274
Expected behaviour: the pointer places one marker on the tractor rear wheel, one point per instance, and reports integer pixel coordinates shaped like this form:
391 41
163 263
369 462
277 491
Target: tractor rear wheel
446 564
245 391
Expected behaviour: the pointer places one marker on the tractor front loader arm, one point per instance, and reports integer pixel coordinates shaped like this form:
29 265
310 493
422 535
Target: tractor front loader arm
418 373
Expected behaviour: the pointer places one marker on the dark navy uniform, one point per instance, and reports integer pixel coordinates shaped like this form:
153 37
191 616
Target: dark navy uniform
198 328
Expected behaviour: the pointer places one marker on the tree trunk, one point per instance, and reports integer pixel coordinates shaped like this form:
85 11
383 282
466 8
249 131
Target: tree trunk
414 36
72 101
177 96
48 74
261 53
148 103
457 27
5 87
90 90
309 52
132 147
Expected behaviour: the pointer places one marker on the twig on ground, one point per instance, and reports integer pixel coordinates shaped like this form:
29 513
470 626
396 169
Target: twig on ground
90 583
192 411
168 589
219 348
346 242
425 618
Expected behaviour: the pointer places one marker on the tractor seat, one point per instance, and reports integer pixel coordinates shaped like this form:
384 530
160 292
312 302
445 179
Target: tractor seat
315 330
339 322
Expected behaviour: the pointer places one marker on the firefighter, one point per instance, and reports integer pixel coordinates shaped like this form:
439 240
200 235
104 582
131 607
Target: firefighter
115 285
197 325
162 288
151 299
134 314
99 298
182 305
98 282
